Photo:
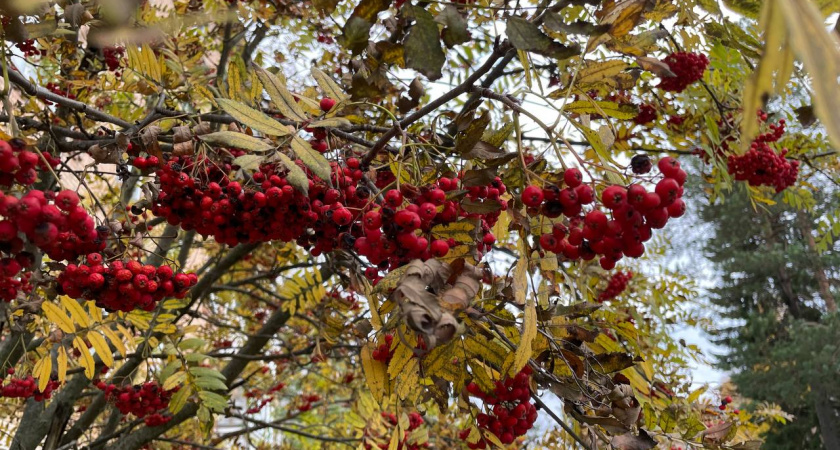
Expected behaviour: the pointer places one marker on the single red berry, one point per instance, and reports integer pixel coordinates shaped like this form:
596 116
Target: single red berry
532 196
327 104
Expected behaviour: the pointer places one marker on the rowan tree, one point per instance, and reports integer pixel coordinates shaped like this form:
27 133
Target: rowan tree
377 224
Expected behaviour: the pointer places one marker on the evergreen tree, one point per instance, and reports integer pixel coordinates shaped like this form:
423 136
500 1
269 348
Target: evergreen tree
780 321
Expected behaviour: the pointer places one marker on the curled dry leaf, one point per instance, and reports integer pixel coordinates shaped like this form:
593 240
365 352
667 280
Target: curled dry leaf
428 303
181 134
202 128
625 407
148 137
655 66
104 154
183 149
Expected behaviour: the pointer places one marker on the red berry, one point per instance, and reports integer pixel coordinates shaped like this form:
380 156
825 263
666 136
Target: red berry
327 104
532 196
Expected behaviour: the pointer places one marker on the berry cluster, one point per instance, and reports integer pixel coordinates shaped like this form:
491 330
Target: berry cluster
57 90
262 398
200 195
146 162
512 412
383 353
391 421
112 56
123 285
688 68
616 285
13 275
29 49
761 165
18 165
634 210
27 388
307 401
724 402
394 233
56 223
145 401
647 114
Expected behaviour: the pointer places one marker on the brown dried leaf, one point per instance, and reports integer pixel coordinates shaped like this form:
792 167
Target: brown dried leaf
181 134
717 433
655 66
148 137
629 441
104 154
183 149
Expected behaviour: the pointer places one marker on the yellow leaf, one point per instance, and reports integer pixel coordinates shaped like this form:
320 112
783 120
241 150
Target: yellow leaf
461 231
79 314
330 88
95 311
375 374
760 86
234 81
61 357
115 340
177 379
408 379
257 120
86 360
180 399
597 72
280 95
57 316
44 372
529 332
402 355
102 349
485 349
311 158
817 48
610 109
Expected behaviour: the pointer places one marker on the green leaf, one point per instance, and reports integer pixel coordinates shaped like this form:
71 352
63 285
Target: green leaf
233 139
455 26
423 52
205 372
526 36
214 401
280 95
313 160
257 120
210 383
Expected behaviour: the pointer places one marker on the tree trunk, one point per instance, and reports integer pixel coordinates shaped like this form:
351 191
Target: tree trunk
819 272
827 417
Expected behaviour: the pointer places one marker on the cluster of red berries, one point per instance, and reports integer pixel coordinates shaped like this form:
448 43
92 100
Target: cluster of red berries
647 114
391 421
616 285
112 56
394 233
123 285
56 223
761 165
200 195
14 277
510 411
145 400
262 397
688 68
635 213
307 401
27 388
20 166
29 49
383 353
56 89
146 162
724 402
